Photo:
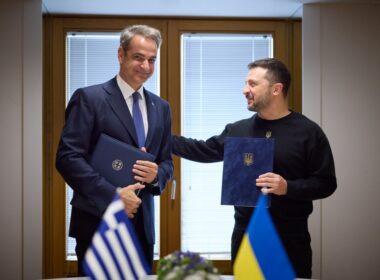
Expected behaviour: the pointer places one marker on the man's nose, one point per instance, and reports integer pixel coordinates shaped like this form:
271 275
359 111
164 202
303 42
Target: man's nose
245 90
145 64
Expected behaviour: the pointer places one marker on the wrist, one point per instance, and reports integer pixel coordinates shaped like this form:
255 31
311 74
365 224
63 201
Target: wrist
154 183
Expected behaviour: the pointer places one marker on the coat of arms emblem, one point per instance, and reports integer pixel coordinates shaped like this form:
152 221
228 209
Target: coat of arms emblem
248 159
117 165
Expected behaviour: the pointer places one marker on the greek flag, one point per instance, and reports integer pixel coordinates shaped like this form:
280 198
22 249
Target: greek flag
115 251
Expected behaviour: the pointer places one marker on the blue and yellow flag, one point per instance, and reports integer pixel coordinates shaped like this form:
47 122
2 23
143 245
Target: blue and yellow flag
261 254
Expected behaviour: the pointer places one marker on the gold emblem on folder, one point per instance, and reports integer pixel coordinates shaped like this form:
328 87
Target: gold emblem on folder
248 159
268 134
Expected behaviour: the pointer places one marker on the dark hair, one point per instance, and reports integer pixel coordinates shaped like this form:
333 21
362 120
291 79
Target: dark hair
143 30
277 71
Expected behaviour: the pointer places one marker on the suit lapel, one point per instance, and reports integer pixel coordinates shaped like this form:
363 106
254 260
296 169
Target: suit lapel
151 108
119 106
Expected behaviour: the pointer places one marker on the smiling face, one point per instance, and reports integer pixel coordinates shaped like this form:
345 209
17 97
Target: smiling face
257 90
137 63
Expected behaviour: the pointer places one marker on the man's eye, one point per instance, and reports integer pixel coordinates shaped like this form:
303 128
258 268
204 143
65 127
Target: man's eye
152 60
139 58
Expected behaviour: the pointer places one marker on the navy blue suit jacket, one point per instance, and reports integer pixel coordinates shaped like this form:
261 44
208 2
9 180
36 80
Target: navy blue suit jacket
102 109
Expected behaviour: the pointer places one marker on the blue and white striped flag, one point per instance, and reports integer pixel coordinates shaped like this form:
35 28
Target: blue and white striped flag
115 252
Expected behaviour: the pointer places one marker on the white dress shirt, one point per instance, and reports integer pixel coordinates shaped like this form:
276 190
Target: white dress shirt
127 92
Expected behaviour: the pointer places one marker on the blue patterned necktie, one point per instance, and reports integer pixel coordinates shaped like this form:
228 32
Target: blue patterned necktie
138 120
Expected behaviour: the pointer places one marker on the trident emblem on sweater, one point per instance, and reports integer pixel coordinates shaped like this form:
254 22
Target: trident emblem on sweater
248 159
268 134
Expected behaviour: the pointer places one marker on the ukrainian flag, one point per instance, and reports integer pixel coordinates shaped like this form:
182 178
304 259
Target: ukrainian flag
261 254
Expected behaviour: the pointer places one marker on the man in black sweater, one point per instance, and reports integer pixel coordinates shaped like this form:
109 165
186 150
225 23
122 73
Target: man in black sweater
303 168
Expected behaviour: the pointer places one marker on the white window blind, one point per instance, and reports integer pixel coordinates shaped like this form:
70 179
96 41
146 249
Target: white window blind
214 68
91 58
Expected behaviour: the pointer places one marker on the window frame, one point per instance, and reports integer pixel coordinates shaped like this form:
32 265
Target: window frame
282 45
287 46
55 30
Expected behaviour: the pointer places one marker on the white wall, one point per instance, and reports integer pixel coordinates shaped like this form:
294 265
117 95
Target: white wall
341 67
21 139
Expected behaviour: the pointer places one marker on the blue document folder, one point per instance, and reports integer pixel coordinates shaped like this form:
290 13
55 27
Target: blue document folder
114 160
245 159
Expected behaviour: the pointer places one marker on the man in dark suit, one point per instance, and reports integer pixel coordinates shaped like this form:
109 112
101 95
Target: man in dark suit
303 168
110 108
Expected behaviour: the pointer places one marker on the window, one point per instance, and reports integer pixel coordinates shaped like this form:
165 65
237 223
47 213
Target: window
213 68
197 58
91 58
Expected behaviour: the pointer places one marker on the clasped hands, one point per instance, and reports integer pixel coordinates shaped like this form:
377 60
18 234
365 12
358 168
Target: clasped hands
145 172
272 183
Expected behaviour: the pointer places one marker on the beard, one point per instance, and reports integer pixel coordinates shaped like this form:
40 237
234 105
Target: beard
260 102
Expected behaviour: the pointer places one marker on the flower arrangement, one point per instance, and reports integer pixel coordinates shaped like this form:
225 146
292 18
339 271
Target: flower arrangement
186 266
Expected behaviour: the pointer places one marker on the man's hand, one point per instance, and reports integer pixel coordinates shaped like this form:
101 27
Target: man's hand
145 171
272 183
130 199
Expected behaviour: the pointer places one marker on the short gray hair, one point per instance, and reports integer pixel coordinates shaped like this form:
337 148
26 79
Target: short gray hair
143 30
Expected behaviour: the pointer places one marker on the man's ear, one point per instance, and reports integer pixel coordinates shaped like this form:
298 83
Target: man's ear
120 54
277 88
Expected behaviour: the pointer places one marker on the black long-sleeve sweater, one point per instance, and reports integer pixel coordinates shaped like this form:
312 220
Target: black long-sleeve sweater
302 157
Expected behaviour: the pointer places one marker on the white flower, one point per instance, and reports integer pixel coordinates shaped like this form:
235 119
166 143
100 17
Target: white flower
171 276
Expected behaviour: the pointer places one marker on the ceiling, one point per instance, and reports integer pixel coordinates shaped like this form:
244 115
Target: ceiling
212 8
